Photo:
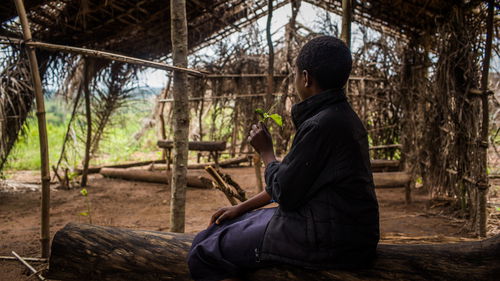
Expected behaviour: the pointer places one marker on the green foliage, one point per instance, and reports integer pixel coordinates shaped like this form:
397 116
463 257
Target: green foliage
84 192
419 180
263 116
118 144
86 213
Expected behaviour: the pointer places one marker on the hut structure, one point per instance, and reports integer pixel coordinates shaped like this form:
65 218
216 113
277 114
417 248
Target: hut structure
423 98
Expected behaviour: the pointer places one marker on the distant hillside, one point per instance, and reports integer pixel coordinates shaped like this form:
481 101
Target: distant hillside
147 91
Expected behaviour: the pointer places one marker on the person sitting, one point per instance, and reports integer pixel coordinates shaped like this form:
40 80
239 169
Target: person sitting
327 214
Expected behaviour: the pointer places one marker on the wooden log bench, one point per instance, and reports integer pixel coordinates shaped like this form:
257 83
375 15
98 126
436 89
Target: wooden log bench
88 252
213 147
383 165
395 179
391 179
390 173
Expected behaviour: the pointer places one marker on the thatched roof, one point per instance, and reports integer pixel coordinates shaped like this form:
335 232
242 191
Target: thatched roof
142 28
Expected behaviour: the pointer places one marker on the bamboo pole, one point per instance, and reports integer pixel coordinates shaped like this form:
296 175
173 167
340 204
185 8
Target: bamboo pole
142 62
42 131
345 34
31 268
101 55
483 185
24 258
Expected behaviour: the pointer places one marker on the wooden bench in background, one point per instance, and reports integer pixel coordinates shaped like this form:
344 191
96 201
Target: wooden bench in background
213 147
390 173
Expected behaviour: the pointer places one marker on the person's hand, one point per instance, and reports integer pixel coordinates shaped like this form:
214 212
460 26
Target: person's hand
260 139
225 213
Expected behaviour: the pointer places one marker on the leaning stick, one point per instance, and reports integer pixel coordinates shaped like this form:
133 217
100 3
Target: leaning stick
28 266
221 185
241 192
42 131
99 54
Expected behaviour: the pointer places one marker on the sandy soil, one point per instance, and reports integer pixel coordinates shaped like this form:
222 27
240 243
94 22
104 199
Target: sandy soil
140 205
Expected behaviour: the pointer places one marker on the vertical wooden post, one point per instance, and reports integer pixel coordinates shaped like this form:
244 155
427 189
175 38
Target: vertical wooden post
181 115
362 90
88 115
483 166
345 34
270 61
258 173
270 87
42 131
161 117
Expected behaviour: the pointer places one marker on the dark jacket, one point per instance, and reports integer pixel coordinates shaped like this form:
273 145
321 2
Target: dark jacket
328 210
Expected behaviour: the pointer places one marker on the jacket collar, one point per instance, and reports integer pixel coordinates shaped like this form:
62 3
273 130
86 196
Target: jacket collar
309 107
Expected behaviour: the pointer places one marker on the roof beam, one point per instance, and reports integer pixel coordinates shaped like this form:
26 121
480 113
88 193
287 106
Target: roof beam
101 55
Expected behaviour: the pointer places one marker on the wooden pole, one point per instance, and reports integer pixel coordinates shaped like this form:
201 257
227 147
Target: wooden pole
88 115
161 117
181 115
222 185
483 184
258 173
345 35
101 55
42 131
270 60
31 268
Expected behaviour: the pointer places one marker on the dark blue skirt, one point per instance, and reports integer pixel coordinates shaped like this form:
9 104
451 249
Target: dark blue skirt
227 250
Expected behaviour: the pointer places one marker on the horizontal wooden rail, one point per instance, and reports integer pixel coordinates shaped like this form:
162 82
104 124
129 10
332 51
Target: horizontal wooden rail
223 97
101 55
196 145
386 146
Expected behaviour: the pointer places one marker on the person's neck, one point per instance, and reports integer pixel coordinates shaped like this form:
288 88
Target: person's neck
312 91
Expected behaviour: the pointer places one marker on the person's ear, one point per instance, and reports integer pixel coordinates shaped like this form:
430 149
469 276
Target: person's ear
307 79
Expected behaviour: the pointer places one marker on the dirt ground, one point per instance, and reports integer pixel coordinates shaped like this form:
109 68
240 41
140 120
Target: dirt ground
141 205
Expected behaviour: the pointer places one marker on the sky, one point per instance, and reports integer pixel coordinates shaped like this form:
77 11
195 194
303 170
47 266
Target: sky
307 16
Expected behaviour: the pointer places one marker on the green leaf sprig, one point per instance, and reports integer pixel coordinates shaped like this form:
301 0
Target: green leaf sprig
263 116
86 213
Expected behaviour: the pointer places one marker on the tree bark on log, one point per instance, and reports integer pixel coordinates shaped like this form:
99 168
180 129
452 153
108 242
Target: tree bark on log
391 179
155 177
88 252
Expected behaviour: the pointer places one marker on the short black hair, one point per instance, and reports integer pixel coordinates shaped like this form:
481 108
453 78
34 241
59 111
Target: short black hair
328 60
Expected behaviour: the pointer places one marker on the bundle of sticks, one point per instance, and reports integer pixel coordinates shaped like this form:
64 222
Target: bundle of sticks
223 182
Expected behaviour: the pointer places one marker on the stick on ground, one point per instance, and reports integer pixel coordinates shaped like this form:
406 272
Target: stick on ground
32 269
